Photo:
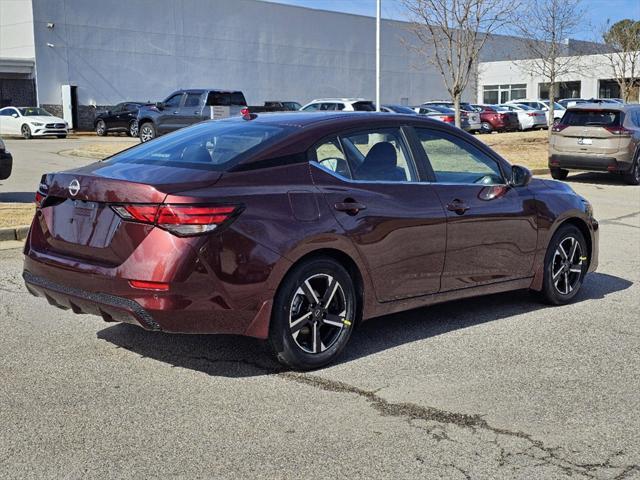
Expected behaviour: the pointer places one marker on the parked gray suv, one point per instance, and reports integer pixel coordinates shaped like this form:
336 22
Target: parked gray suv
186 107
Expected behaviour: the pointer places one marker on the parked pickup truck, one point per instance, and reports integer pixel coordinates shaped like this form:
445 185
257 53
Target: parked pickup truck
186 107
275 106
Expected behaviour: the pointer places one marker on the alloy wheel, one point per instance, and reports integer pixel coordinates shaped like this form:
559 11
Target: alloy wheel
566 266
100 128
133 129
146 133
25 131
317 315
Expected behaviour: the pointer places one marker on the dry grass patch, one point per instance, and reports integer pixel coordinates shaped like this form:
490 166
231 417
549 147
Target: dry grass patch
100 150
16 214
529 149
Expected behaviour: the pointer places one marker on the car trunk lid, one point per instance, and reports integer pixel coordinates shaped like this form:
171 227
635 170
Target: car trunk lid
595 131
77 219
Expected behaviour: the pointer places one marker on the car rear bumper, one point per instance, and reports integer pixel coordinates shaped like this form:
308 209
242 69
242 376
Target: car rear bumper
594 162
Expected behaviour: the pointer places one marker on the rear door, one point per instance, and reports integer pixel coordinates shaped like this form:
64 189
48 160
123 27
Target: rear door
585 131
168 117
491 227
191 110
370 181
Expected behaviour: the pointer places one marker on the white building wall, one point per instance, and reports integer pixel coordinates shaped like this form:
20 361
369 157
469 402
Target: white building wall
16 30
588 69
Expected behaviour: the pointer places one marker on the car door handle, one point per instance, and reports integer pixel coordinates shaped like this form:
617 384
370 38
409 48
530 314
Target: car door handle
197 112
349 207
457 206
175 113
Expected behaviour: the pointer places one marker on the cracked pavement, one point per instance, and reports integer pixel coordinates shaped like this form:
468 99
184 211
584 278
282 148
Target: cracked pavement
493 387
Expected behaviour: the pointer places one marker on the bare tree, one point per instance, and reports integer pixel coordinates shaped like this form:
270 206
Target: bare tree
624 39
451 33
546 27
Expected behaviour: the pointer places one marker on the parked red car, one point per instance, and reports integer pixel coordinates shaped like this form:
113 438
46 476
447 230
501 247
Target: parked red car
294 228
499 119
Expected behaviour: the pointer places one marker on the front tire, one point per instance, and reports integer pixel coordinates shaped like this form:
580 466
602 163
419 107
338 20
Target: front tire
559 173
25 131
101 128
147 132
132 131
565 265
313 314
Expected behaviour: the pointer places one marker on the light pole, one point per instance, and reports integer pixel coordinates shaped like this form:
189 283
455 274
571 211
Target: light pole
378 2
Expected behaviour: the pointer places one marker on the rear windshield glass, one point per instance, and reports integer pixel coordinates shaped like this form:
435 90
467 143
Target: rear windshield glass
211 145
226 99
364 107
586 118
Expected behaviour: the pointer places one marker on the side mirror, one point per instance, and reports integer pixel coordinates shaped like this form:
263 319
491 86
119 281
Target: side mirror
160 105
14 115
520 176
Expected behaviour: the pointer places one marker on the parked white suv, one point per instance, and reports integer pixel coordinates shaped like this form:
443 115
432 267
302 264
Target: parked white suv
339 104
558 110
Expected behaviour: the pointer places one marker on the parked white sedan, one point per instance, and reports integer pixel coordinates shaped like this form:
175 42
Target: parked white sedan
527 117
31 122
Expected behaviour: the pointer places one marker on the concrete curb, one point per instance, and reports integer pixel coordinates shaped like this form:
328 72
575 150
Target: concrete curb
14 233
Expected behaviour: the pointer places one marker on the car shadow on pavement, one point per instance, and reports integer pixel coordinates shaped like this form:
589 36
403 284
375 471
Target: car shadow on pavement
598 178
236 356
17 197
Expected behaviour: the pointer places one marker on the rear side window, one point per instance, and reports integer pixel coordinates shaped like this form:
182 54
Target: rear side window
587 118
192 100
226 99
211 145
364 107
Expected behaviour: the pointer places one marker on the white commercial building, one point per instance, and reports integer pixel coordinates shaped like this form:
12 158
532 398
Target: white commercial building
591 76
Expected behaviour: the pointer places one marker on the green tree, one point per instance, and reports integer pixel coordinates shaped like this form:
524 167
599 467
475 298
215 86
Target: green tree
624 39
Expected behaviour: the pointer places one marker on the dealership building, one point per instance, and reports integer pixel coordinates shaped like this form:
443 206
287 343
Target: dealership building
75 56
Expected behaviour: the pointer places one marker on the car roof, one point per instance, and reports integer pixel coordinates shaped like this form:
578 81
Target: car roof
604 106
340 100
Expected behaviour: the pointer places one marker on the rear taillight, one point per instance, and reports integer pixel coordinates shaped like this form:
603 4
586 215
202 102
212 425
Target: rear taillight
619 130
558 127
449 119
245 112
182 220
41 193
532 114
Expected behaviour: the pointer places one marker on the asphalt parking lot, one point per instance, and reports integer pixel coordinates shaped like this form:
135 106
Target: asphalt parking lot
495 387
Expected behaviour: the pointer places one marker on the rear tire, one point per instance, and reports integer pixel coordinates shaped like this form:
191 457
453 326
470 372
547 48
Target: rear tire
147 132
633 177
565 265
485 127
132 131
313 314
25 131
559 173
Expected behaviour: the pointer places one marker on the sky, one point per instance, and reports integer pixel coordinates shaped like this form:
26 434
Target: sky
596 11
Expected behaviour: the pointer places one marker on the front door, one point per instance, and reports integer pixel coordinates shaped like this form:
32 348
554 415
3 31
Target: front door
491 227
369 180
191 110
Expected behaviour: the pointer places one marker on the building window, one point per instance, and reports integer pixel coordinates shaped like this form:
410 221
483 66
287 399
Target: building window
562 90
503 93
611 89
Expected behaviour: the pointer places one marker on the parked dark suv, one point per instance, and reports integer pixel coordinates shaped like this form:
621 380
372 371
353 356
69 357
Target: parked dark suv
122 118
186 107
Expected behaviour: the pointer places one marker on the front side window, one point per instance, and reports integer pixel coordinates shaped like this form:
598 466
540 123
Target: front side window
118 108
371 155
174 101
454 160
211 146
311 108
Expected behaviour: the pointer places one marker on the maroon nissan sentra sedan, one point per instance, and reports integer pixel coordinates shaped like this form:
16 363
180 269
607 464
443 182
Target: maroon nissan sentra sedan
294 228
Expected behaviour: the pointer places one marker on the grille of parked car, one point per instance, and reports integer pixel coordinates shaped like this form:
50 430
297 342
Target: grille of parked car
55 125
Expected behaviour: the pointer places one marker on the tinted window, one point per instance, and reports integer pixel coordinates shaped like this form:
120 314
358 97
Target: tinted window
586 118
311 108
291 105
378 155
456 161
226 99
7 112
192 100
173 101
328 106
364 107
34 112
211 145
132 107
